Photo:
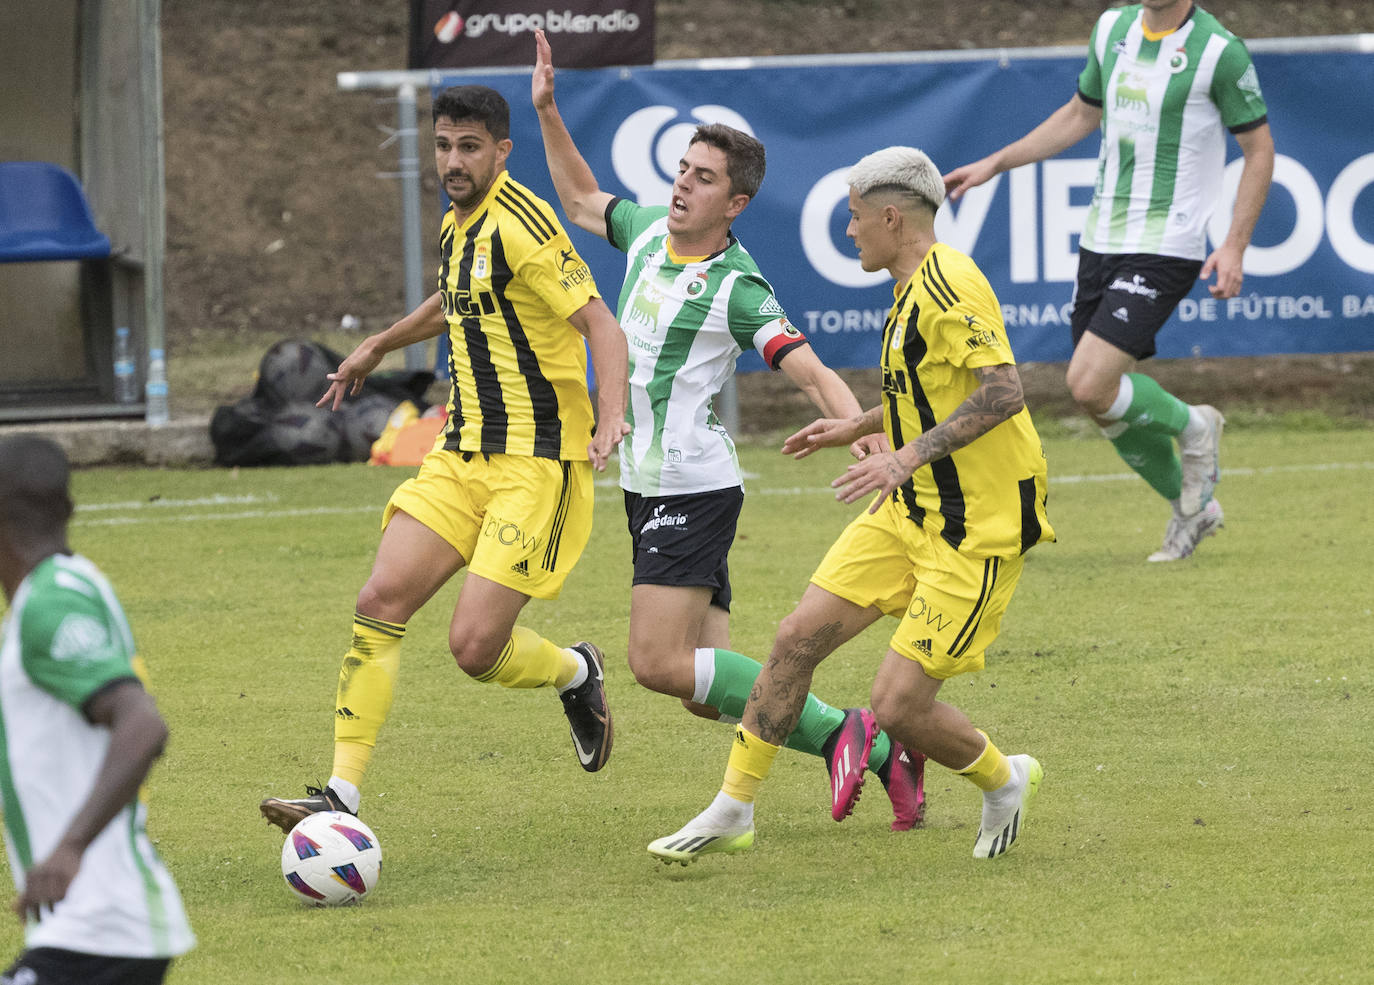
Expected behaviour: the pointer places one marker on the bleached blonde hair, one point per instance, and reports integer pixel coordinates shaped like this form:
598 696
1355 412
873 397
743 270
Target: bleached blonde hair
899 169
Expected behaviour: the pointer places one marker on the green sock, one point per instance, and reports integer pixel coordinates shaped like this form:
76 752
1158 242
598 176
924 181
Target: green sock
882 748
734 679
1154 408
730 686
1153 458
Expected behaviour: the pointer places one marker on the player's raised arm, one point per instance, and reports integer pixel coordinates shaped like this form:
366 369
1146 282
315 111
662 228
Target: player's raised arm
582 199
1062 129
425 322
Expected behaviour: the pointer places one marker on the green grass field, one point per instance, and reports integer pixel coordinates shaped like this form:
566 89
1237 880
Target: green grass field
1204 728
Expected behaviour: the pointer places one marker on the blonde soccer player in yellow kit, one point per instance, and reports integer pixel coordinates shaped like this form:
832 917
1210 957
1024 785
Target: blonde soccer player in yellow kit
959 500
507 489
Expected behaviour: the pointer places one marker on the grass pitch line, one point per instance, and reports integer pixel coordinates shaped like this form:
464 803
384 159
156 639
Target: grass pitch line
121 521
150 511
1242 471
247 499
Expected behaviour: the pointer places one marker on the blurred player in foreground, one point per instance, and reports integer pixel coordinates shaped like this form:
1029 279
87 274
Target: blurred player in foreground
693 300
959 500
79 735
507 489
1164 81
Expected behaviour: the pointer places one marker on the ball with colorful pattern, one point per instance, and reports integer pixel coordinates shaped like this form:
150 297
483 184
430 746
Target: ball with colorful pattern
331 859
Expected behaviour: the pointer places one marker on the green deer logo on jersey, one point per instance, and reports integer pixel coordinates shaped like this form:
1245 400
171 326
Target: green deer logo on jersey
644 306
1131 94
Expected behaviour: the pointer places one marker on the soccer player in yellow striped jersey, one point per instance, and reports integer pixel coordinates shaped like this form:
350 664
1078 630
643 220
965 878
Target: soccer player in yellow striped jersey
519 375
507 489
944 328
956 503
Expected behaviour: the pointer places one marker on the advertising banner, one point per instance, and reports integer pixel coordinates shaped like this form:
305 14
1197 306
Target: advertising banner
586 33
1309 284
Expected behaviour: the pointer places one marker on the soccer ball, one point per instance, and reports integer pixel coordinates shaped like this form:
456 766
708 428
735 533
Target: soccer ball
331 859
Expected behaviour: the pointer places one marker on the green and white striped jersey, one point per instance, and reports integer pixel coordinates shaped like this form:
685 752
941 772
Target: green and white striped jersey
1164 105
686 323
64 638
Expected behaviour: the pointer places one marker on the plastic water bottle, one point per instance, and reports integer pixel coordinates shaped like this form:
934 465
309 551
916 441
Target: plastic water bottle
156 389
125 386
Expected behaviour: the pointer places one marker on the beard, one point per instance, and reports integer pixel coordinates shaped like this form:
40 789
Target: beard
470 195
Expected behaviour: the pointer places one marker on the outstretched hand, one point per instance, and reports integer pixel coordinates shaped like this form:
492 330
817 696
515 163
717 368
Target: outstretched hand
870 444
541 85
825 432
882 472
349 376
968 176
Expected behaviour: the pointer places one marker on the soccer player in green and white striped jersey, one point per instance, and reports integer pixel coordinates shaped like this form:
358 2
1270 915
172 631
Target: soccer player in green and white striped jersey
693 300
78 734
1164 80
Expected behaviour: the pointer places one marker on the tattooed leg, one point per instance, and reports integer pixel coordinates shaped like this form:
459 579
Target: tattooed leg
820 624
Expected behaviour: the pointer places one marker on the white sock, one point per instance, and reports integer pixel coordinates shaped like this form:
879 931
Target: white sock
704 666
351 796
704 658
726 812
1125 393
1196 426
580 677
1009 792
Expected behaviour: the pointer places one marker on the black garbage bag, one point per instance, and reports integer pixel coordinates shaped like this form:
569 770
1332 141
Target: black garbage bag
279 424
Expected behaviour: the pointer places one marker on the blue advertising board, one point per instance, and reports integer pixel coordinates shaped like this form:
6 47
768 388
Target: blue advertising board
1309 284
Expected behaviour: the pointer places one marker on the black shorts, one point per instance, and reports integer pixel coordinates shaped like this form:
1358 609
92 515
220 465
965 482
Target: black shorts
1125 298
55 966
685 540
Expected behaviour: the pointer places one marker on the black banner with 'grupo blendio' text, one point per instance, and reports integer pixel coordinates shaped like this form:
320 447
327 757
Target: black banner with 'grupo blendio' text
583 33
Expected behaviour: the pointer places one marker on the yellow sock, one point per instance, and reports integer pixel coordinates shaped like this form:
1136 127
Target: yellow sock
366 681
529 660
750 760
990 770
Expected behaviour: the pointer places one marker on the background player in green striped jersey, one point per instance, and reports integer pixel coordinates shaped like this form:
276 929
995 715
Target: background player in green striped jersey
78 734
692 301
960 498
1164 81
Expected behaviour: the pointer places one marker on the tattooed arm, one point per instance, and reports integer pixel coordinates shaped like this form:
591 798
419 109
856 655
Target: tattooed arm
997 398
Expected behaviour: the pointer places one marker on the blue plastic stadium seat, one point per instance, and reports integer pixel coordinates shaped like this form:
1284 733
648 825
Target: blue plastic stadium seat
44 215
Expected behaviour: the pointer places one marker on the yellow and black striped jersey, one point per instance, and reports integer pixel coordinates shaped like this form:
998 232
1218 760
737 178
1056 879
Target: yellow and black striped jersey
986 499
509 278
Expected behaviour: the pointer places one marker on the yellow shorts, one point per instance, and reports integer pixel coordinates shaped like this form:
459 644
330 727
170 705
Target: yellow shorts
517 520
950 605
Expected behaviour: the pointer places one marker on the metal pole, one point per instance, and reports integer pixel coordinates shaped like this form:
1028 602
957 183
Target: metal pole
411 229
154 208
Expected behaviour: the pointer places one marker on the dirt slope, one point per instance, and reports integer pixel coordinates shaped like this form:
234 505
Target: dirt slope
277 222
